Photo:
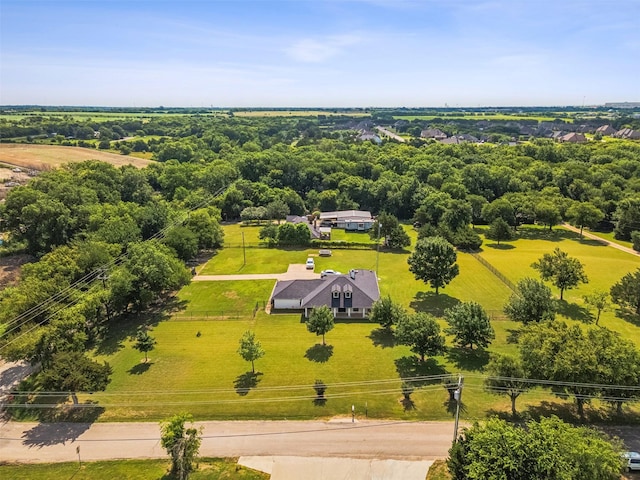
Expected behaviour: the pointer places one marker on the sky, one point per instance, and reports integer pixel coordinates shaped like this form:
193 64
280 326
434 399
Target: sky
319 53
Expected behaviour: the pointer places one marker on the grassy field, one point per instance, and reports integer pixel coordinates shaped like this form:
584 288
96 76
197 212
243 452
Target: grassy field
609 236
298 113
43 157
195 366
209 469
481 116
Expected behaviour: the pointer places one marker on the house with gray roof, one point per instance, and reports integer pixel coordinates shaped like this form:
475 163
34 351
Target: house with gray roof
606 130
359 220
348 296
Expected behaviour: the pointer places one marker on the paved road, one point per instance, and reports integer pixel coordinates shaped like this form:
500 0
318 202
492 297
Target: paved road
32 442
600 239
390 134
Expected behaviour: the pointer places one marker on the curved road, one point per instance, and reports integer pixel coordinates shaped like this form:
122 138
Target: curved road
602 240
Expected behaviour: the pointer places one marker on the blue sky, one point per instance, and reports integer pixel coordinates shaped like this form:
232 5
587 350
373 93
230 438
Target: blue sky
325 53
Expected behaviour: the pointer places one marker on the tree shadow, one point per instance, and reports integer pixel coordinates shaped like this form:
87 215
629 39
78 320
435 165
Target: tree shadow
407 404
589 241
66 425
452 405
501 246
556 235
245 382
628 316
513 335
382 337
319 353
140 368
319 401
429 302
565 410
466 359
409 368
573 311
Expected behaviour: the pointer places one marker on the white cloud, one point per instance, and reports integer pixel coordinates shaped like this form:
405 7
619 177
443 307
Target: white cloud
316 51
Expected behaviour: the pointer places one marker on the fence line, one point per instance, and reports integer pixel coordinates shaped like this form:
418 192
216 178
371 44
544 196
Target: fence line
495 271
223 314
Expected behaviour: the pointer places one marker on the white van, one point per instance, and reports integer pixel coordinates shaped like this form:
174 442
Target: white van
633 461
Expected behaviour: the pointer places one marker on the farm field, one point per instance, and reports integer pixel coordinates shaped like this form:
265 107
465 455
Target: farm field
43 157
480 116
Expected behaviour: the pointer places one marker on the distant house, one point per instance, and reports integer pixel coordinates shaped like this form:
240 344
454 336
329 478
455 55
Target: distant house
458 139
606 130
295 219
359 220
628 134
347 296
369 136
433 133
573 137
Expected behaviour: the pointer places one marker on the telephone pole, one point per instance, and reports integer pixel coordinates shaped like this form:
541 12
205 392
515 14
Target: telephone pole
458 396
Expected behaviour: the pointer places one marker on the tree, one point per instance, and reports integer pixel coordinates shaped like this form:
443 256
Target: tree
386 312
73 372
635 239
465 238
434 261
626 291
548 214
144 342
277 210
269 233
546 450
499 230
182 241
500 208
627 217
250 349
599 300
320 321
182 444
584 214
469 324
505 376
564 271
421 332
532 302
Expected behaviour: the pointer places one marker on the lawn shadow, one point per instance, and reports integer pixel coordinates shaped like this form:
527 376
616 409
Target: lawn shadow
112 334
382 337
564 410
140 368
513 335
407 404
319 353
409 368
628 316
245 382
500 246
466 359
574 311
592 242
555 235
319 401
429 302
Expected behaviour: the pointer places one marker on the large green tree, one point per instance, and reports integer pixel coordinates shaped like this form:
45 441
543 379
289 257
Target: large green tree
546 450
499 230
73 372
434 261
627 216
421 332
506 376
531 302
386 312
469 324
181 443
626 291
565 272
584 214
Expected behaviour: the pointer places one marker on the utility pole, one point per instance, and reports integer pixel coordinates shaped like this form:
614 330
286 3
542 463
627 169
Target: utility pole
378 249
457 395
104 277
244 253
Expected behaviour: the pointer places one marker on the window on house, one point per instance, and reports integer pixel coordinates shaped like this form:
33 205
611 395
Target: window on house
342 310
336 294
347 294
356 309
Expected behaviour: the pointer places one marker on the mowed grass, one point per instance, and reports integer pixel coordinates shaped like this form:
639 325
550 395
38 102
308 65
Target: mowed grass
196 367
610 237
208 468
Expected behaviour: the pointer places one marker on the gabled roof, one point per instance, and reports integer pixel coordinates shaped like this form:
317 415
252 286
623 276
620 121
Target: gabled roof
314 293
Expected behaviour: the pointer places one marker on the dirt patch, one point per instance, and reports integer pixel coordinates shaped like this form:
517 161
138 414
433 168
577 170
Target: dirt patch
44 157
10 269
230 294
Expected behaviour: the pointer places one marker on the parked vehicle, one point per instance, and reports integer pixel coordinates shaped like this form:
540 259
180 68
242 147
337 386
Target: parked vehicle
324 273
310 264
633 461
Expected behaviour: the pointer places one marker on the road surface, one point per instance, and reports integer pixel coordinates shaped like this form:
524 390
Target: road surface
602 240
368 439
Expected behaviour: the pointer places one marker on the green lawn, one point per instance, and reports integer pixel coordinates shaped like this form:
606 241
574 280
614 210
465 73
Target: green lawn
209 468
609 236
236 298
